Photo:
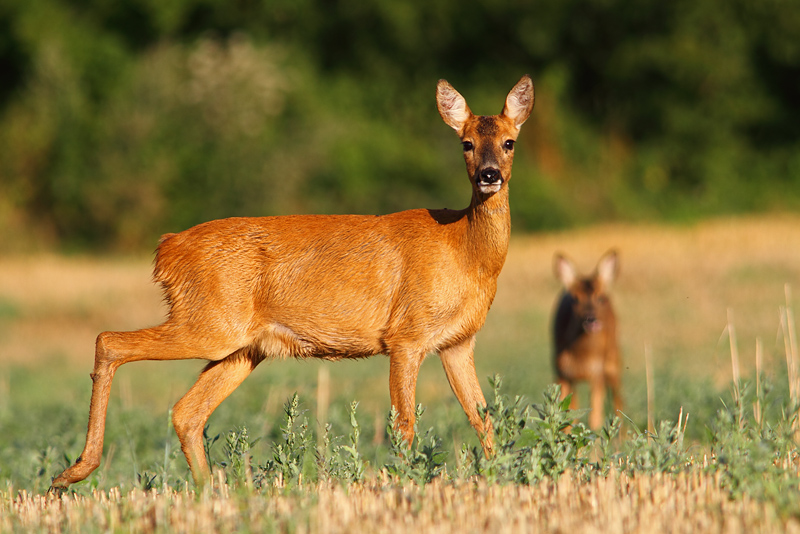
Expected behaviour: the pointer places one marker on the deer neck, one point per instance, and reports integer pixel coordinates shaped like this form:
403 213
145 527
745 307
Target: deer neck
489 230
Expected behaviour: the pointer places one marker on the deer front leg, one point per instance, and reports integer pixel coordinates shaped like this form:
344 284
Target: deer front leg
403 372
459 366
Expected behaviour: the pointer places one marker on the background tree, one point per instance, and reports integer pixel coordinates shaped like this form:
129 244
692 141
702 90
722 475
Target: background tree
123 120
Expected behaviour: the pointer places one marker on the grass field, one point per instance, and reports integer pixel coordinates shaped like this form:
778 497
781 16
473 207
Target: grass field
678 290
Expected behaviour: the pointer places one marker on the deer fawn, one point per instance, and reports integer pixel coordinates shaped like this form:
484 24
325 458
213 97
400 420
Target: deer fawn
241 290
584 333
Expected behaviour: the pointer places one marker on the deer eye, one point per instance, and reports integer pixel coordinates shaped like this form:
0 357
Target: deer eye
467 146
509 145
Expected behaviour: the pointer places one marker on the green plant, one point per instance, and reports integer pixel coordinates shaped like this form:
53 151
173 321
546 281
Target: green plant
662 451
508 421
146 481
289 457
605 441
238 459
421 461
757 457
208 444
345 463
531 441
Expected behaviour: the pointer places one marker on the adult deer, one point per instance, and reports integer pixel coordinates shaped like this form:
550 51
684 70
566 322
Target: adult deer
406 284
585 333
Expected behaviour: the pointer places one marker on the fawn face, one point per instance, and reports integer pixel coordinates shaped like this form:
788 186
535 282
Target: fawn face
586 296
488 141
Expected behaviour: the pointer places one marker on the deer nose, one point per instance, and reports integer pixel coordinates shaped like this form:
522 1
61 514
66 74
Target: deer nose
591 323
490 175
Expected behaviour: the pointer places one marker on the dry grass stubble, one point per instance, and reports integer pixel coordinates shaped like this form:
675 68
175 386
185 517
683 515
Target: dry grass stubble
683 503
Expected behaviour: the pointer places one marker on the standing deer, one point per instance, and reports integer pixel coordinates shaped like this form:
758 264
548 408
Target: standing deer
241 290
584 333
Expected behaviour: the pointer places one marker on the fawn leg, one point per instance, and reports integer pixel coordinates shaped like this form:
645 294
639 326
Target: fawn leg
598 394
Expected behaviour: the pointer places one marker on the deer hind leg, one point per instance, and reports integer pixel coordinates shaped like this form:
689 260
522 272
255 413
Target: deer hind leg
459 366
403 371
218 380
113 349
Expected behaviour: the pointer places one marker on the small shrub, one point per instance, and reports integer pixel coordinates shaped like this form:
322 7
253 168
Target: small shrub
419 462
531 441
289 458
345 463
238 458
662 451
757 457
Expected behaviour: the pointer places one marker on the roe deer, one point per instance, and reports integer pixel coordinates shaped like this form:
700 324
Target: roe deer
584 333
405 284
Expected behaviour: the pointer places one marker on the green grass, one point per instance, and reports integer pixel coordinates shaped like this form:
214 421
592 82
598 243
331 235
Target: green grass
741 459
42 433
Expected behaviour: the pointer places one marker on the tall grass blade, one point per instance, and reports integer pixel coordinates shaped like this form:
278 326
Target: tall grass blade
757 414
648 365
790 347
323 398
734 357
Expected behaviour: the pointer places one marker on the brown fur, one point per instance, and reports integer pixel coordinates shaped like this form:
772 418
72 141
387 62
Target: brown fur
585 334
329 286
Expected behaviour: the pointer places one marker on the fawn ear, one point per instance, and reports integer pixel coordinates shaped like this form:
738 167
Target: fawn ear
564 270
452 106
608 268
519 102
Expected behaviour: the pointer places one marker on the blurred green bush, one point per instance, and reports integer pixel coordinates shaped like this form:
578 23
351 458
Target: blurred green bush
123 120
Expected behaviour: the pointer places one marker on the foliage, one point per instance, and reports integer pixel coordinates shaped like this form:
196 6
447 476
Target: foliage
532 441
757 457
124 120
289 457
751 453
536 442
237 452
662 451
421 461
344 462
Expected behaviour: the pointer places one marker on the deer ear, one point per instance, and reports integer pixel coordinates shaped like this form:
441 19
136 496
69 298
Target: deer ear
564 270
452 106
519 102
608 268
